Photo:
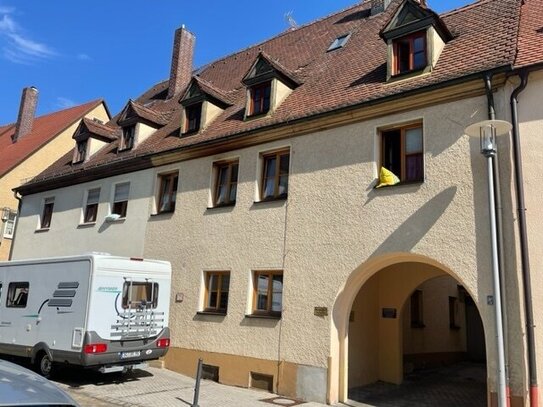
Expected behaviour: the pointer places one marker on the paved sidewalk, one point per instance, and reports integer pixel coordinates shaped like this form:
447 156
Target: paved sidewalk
161 387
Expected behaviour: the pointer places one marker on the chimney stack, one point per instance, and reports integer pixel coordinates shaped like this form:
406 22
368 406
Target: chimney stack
27 111
181 70
378 6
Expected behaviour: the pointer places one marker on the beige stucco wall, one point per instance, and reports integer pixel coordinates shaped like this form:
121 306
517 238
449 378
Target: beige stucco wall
36 163
330 237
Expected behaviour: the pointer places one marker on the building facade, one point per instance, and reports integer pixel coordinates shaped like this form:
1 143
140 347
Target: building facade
259 178
29 146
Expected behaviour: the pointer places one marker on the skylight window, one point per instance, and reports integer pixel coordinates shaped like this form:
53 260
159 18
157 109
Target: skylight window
339 42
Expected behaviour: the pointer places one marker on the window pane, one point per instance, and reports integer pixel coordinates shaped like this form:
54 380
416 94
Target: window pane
234 176
223 172
402 56
413 167
392 151
283 185
413 140
93 196
224 301
269 187
419 60
221 194
233 189
213 282
270 167
283 164
418 44
225 281
140 295
262 293
277 293
212 300
121 192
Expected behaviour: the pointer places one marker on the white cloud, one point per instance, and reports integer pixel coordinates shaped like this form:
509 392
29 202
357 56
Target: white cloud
83 57
65 103
17 46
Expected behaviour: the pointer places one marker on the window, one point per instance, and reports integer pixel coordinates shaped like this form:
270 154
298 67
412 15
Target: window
193 117
275 175
402 152
409 53
47 213
17 295
226 183
91 208
9 226
168 192
81 151
140 294
339 42
268 293
416 310
260 99
120 199
453 313
129 134
216 297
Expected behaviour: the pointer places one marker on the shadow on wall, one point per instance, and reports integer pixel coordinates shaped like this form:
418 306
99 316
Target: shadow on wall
413 229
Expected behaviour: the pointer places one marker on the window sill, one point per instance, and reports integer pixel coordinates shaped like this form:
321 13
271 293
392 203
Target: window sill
41 230
408 75
190 133
263 316
8 237
400 184
163 213
86 225
228 205
213 313
275 199
257 116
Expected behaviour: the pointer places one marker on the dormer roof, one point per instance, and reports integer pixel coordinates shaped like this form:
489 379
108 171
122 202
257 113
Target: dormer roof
266 68
134 112
94 129
199 90
411 17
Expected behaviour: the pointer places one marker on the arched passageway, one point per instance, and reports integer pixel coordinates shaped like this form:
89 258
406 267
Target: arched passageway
412 332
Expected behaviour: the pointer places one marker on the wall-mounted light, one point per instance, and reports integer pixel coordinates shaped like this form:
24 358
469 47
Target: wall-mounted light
6 213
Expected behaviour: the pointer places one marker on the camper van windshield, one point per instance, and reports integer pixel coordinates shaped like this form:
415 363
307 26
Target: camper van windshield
137 294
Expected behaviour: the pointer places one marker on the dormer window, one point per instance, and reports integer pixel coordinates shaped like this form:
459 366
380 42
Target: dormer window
129 134
410 53
415 37
193 118
260 99
80 151
268 84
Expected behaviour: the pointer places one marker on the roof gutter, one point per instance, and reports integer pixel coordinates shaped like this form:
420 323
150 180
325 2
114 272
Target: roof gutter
524 251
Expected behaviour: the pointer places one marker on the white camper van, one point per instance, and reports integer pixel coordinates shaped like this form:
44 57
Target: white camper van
97 311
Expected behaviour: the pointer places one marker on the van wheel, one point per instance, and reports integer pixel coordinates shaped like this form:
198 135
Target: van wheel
45 365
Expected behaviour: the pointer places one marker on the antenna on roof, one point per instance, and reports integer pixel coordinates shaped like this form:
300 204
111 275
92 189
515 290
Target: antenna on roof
290 20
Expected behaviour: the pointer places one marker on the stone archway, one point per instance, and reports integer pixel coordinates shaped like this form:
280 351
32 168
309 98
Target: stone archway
387 281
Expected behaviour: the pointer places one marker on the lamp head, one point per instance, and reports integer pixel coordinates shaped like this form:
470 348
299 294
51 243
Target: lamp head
487 131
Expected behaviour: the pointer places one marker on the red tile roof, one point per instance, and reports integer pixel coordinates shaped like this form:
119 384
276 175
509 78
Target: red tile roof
530 42
484 38
44 129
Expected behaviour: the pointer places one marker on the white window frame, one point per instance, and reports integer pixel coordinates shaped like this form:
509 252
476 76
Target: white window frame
86 203
113 201
12 222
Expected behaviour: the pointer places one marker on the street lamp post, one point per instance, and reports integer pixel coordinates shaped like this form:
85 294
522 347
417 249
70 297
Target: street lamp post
487 131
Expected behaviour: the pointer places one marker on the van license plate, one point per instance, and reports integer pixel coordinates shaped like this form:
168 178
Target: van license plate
126 355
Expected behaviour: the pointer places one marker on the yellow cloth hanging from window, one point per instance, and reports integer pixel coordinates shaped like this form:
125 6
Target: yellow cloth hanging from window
387 178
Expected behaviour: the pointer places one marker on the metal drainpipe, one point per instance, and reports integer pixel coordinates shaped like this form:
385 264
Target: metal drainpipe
524 251
499 225
19 205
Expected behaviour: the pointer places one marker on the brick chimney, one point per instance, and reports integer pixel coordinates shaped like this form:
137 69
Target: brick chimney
181 70
27 111
378 6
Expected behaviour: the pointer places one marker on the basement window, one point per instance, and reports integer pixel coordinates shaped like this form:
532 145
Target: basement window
339 42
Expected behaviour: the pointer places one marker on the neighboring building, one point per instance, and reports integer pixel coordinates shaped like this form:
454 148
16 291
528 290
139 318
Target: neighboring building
29 146
256 177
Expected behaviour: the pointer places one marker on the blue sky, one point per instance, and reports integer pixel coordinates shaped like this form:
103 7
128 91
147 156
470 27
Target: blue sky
75 51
